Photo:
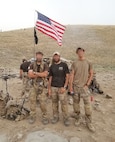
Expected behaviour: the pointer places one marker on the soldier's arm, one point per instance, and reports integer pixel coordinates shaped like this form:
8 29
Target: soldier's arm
21 72
49 86
90 77
44 73
71 80
31 74
67 80
41 74
49 83
67 72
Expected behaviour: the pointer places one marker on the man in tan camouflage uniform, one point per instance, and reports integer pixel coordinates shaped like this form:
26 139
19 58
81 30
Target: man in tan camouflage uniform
38 72
24 75
80 79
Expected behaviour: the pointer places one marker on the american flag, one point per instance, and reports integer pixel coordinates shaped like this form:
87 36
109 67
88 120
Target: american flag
50 27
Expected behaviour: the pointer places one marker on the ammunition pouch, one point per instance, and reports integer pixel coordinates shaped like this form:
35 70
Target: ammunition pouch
39 83
39 86
25 75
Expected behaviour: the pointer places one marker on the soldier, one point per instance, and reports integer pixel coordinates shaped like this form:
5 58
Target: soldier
81 76
24 75
95 86
38 72
58 82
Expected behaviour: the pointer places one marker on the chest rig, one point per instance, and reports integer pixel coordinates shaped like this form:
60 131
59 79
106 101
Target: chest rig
39 82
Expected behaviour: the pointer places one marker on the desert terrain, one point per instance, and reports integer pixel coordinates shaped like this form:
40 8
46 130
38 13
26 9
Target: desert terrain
99 43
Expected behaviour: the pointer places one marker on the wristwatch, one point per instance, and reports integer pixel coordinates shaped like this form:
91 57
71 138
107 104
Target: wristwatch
65 87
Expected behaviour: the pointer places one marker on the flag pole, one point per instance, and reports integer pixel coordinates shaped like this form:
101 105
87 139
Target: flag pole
34 49
35 36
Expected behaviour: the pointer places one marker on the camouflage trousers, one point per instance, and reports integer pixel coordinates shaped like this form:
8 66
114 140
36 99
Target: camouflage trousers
25 80
81 92
56 97
38 92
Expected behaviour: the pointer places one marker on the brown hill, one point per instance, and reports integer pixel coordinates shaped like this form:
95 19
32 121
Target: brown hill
99 43
97 40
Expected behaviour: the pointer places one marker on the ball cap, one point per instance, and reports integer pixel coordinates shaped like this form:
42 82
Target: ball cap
24 60
56 53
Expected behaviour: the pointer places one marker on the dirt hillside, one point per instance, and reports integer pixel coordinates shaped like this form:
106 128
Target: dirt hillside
99 44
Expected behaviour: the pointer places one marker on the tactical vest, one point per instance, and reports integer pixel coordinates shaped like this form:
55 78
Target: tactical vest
42 65
40 81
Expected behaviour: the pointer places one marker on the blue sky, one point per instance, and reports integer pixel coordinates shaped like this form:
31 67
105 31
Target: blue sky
16 14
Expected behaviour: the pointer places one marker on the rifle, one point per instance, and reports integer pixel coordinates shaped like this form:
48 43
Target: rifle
5 77
22 106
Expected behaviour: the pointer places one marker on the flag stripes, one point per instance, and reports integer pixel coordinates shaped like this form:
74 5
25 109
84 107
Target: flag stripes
50 27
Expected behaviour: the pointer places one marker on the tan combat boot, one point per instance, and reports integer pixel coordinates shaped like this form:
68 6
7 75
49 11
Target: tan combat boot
66 122
89 123
77 120
32 119
91 127
45 121
55 120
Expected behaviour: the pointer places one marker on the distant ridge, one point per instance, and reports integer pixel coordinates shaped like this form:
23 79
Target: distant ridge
99 42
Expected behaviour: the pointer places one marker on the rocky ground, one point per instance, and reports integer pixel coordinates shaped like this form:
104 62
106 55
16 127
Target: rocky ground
99 44
103 118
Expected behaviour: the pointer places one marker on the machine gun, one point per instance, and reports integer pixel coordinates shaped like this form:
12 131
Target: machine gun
5 76
22 106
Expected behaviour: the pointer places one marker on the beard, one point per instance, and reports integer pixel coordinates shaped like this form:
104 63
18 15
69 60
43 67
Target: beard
56 61
39 60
